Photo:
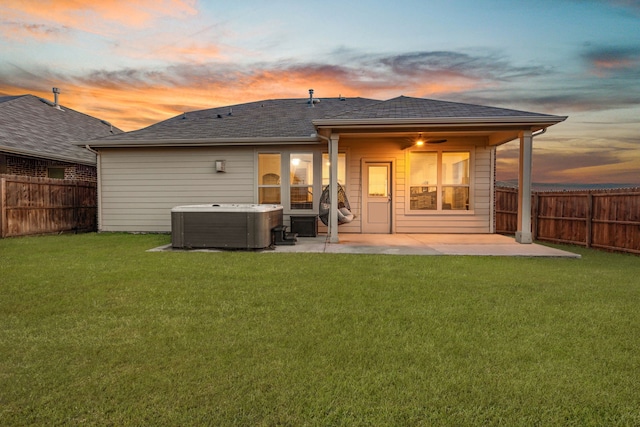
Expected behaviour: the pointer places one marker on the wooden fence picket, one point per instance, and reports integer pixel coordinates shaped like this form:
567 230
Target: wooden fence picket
607 219
30 205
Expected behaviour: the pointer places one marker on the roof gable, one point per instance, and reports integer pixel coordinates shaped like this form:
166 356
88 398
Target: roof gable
32 126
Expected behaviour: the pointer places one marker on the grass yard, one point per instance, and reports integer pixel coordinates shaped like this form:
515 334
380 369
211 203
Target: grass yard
96 331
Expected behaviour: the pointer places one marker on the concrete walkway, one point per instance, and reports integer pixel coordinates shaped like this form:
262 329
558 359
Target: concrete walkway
415 244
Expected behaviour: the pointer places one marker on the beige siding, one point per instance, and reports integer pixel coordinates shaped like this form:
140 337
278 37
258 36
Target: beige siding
139 186
478 220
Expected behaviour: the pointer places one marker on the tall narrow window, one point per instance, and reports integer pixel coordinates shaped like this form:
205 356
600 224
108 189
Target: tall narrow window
342 169
301 180
455 181
423 181
269 179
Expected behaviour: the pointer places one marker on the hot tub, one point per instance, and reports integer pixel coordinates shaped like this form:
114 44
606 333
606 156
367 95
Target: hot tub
224 225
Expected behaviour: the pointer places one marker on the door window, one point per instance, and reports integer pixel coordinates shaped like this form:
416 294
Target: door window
378 184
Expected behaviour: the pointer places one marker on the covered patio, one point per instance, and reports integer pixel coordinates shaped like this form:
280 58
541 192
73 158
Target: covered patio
411 244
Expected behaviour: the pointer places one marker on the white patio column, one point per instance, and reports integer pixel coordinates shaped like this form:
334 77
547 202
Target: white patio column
333 188
523 233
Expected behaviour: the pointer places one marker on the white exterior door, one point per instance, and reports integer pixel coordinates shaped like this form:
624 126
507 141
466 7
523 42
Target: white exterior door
376 197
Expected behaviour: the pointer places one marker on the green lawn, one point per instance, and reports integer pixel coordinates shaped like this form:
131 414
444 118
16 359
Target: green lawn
96 331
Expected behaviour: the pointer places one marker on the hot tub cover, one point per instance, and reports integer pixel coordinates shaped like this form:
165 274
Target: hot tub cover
227 207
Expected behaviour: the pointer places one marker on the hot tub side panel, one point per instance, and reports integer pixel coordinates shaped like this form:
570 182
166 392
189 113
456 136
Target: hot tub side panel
233 230
259 226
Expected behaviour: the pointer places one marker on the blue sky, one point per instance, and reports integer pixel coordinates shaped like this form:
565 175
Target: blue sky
136 63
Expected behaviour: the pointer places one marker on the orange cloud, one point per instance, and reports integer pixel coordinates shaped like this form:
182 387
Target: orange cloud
104 17
131 99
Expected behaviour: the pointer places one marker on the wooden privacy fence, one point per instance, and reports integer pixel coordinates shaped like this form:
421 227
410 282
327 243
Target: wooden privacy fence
41 205
608 219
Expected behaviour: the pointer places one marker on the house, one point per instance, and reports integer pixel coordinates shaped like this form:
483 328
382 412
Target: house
408 165
36 138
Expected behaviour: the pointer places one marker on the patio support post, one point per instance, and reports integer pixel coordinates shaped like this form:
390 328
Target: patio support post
333 188
523 233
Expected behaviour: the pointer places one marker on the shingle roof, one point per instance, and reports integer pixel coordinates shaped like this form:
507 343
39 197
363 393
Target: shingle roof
404 107
32 126
293 118
285 118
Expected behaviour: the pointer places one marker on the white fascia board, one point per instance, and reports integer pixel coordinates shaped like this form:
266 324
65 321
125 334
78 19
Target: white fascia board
201 142
440 121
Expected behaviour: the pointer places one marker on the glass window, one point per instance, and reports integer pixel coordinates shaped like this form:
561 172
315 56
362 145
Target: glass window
378 181
269 178
439 180
342 169
455 181
423 180
301 180
455 168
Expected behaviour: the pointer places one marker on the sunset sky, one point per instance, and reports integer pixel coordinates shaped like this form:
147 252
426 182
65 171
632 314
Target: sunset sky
135 63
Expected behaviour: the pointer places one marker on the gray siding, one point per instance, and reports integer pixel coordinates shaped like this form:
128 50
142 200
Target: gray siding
139 186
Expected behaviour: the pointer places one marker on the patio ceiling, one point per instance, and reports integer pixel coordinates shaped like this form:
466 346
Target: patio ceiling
492 133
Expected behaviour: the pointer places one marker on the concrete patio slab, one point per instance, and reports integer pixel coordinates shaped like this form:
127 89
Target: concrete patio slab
413 244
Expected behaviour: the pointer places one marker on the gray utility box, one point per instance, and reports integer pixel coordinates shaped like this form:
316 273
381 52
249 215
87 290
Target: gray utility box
224 225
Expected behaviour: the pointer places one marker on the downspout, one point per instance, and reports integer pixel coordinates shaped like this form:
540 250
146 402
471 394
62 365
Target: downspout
323 137
539 133
98 184
91 149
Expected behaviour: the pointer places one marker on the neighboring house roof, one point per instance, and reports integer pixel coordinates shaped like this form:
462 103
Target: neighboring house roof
294 120
32 126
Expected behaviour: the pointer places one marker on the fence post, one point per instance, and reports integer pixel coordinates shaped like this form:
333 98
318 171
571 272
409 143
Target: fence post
3 204
534 220
76 214
589 233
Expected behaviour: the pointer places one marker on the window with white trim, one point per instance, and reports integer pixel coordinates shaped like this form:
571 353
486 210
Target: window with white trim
342 169
301 180
287 178
439 180
269 178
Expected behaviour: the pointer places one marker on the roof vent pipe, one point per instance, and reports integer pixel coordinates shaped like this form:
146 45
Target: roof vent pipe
56 92
310 97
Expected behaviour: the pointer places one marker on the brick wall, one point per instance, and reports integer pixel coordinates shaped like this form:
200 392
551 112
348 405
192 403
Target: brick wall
26 166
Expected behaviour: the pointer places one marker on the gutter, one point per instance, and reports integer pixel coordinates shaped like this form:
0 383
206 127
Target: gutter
441 121
201 142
